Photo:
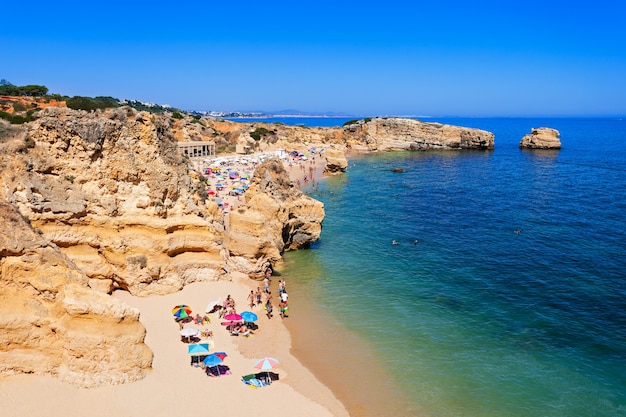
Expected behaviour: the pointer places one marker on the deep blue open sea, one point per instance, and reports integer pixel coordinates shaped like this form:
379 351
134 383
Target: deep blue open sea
476 319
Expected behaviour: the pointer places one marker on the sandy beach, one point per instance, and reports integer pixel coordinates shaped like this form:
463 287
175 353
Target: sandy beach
228 175
174 386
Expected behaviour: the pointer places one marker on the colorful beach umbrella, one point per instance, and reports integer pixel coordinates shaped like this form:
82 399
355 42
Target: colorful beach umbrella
267 363
181 311
233 317
249 316
213 360
198 349
221 355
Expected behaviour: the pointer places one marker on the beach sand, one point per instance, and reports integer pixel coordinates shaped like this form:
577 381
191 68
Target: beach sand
173 386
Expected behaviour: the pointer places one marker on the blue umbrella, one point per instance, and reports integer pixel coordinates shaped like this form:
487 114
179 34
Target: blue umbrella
249 316
198 349
213 360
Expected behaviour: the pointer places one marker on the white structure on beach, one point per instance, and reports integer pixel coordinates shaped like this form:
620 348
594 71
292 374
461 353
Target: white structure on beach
196 149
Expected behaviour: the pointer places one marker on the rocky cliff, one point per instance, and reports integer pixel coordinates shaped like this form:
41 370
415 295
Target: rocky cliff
112 192
276 217
53 323
541 138
382 134
336 161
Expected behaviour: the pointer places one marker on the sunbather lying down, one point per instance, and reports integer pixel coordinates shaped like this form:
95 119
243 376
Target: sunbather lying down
256 380
218 370
241 330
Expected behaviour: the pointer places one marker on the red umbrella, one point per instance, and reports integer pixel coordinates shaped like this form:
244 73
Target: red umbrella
221 355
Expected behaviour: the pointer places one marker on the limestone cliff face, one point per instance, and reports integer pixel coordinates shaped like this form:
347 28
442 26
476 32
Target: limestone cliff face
53 323
381 134
541 138
336 161
112 192
276 217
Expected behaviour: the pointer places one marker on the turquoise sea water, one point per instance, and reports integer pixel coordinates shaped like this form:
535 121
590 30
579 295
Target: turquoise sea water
476 319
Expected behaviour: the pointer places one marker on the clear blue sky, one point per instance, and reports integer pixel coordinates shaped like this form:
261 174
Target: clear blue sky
439 58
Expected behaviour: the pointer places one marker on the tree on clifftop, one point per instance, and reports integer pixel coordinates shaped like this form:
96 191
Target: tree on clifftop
8 89
33 90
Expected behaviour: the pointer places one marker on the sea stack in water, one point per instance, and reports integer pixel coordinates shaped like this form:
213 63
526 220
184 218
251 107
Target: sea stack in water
541 138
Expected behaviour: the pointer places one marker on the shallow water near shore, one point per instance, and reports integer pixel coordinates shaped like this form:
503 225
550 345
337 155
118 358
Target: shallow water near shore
512 300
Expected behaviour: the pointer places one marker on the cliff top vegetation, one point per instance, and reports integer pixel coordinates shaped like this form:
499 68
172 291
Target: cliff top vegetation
18 104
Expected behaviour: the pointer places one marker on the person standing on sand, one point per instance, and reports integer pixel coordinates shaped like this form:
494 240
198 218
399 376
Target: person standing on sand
266 284
284 308
251 298
268 305
258 294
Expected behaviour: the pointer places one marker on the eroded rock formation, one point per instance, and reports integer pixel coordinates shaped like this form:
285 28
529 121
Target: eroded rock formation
541 138
381 134
336 161
112 192
53 323
276 217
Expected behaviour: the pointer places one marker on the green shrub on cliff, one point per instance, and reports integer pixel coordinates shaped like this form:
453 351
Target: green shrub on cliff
17 106
17 119
258 133
355 121
90 104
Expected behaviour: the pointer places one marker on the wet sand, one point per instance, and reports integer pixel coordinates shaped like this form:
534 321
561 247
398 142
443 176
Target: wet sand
341 360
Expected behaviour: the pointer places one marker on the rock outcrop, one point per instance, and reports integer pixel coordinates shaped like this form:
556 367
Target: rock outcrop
53 323
336 161
276 217
112 192
541 138
382 134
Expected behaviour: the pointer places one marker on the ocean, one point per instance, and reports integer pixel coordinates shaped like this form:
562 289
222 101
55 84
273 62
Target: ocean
506 292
